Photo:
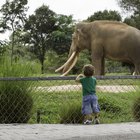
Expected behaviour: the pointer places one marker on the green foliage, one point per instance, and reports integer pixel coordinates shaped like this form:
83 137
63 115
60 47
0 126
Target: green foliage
53 61
129 5
105 15
114 108
15 96
13 13
65 106
116 67
71 113
15 102
13 18
61 38
39 27
133 7
134 21
109 105
15 70
130 21
3 48
136 109
120 106
110 109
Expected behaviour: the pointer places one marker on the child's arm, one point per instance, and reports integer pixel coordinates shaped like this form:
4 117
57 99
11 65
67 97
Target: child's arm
78 77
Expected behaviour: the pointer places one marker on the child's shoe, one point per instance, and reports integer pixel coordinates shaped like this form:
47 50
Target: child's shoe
96 121
87 122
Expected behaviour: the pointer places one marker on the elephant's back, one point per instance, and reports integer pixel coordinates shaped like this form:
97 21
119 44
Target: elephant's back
119 41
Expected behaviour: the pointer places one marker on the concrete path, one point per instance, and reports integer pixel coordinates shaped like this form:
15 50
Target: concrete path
122 131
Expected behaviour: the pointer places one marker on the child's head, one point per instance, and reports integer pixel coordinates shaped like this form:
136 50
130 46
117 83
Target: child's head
88 70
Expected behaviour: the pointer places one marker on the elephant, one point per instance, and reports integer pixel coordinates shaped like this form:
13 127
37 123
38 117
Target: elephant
105 39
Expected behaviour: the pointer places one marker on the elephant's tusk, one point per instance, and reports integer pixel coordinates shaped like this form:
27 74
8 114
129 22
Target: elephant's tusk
71 57
72 65
57 70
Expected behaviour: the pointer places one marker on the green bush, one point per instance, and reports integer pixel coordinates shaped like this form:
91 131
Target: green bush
15 103
15 96
71 113
109 105
136 109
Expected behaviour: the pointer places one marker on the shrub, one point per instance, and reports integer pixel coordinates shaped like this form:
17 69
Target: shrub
15 96
15 103
71 113
136 109
109 105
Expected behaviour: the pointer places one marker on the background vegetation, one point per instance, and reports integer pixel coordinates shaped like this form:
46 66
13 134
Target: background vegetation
45 36
16 102
38 44
65 107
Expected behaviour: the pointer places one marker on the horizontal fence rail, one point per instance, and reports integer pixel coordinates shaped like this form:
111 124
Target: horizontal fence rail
58 99
64 78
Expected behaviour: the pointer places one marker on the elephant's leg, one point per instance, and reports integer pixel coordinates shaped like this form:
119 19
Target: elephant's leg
137 69
99 65
132 69
103 67
98 58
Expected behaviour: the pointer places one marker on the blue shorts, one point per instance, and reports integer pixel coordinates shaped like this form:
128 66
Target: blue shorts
90 104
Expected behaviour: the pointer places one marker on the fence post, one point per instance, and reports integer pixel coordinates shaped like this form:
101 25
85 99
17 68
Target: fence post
38 116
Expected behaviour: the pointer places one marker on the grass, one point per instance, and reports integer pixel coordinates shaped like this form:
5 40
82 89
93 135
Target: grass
65 107
15 100
117 108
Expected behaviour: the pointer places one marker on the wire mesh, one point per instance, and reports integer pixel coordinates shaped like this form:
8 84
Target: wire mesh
58 99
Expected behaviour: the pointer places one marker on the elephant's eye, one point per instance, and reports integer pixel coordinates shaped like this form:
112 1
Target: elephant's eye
77 49
73 37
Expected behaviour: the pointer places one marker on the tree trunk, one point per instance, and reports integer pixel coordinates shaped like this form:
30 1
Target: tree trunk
42 66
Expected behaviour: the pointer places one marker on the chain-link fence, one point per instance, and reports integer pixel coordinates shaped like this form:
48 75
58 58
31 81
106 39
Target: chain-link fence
58 99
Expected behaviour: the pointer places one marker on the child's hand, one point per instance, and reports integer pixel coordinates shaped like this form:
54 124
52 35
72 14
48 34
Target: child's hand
78 77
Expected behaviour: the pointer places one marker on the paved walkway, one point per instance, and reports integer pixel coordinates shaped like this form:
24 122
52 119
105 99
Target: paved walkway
122 131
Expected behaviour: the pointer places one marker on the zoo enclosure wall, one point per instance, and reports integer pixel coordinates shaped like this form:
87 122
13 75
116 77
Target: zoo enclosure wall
58 99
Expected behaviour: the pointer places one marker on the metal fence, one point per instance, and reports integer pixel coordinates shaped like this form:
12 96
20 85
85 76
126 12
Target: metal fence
58 99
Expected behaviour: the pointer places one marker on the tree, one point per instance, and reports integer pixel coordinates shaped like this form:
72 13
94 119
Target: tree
3 46
61 38
38 29
130 5
134 21
13 16
105 15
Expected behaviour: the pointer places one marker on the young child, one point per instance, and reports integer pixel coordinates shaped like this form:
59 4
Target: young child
90 101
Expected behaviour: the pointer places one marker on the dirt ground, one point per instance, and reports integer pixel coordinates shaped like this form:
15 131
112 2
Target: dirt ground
103 88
